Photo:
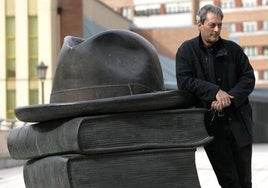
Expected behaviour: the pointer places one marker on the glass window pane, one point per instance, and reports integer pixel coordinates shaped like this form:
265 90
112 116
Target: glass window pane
32 25
33 98
33 47
10 47
265 25
32 69
249 3
10 25
265 50
11 103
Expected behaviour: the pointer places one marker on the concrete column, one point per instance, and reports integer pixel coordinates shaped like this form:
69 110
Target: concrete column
2 59
48 42
22 46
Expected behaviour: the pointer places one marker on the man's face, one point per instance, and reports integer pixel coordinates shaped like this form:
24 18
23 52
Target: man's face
210 30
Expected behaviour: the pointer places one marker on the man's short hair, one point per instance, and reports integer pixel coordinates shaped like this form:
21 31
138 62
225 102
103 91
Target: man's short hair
202 13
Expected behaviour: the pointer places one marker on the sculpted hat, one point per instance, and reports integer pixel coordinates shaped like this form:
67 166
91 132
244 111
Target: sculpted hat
111 72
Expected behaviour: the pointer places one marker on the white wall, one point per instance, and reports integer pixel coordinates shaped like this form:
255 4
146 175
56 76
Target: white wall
166 21
21 22
2 60
48 44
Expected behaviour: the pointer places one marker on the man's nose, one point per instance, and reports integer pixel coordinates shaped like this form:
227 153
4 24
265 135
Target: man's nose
217 28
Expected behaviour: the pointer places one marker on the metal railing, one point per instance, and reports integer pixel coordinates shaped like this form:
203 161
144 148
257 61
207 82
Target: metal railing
7 124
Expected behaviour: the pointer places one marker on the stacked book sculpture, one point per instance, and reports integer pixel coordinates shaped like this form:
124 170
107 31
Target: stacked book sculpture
110 123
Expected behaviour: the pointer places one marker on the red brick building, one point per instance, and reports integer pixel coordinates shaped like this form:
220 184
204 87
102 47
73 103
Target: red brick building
245 21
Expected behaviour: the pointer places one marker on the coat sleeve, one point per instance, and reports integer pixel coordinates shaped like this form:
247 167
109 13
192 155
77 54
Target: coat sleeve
245 79
190 76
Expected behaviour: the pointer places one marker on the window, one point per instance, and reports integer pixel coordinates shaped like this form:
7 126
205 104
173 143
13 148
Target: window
33 60
153 9
10 47
227 4
265 2
172 8
265 25
33 51
11 103
231 27
249 3
33 96
250 26
10 59
126 12
251 50
147 10
265 50
33 47
175 8
140 10
265 74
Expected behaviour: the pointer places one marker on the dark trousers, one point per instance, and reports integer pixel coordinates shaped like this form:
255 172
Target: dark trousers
231 164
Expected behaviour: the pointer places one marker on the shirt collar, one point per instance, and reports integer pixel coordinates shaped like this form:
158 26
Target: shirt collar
214 46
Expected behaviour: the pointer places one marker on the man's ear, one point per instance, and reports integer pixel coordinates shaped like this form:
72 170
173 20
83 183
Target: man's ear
199 24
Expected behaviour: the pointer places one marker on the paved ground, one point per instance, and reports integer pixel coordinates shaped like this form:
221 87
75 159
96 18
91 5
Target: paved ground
13 177
208 179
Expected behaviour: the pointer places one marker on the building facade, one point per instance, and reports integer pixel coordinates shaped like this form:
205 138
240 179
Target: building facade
245 20
28 36
32 31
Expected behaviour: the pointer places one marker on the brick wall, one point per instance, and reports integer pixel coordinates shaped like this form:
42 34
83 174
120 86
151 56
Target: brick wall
71 18
167 41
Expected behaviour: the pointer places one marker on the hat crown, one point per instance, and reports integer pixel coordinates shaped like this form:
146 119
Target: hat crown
110 64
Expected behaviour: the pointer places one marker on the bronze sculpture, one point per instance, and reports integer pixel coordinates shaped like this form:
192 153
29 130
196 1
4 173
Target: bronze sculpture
108 94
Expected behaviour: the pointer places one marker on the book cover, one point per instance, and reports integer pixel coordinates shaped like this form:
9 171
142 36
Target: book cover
110 133
157 168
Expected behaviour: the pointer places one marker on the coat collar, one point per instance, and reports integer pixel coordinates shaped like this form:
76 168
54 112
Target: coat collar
214 52
218 47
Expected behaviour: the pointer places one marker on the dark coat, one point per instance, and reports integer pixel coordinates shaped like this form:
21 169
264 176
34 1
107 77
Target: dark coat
196 74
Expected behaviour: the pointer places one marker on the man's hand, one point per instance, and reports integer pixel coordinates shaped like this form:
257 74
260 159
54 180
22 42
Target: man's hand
223 100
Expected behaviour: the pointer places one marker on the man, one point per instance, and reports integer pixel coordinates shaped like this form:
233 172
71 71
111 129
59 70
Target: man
219 74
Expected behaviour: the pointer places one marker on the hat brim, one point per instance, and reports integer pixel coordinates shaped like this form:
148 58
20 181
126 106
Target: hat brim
131 103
